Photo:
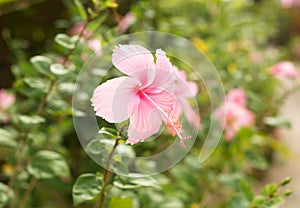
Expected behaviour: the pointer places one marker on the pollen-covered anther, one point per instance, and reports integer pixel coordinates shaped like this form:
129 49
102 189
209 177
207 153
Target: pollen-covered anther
173 126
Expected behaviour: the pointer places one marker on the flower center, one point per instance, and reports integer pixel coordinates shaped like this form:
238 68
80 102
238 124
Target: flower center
172 124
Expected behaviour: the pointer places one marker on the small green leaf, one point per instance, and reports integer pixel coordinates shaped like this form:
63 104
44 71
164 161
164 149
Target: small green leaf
41 63
121 202
256 160
269 190
47 164
238 201
277 122
86 187
111 133
230 178
95 2
110 4
288 192
246 189
120 185
7 138
258 202
93 25
37 83
5 194
67 87
66 41
119 167
97 146
58 69
147 181
285 181
133 181
81 9
31 120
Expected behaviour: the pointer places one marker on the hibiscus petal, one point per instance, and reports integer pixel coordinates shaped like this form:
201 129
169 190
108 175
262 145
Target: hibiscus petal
144 122
111 100
164 77
184 87
190 114
163 100
136 61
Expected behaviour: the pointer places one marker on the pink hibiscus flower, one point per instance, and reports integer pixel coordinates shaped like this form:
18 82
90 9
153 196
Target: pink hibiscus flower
145 96
237 96
184 90
126 21
95 45
6 100
234 113
77 29
285 69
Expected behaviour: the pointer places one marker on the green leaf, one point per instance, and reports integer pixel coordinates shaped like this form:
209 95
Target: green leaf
147 181
97 146
238 201
81 9
120 185
256 160
37 83
121 202
230 178
133 181
41 63
277 122
58 69
86 187
66 41
67 87
270 190
285 181
120 167
7 138
110 4
5 194
31 120
246 189
47 164
111 133
258 202
288 192
96 23
95 2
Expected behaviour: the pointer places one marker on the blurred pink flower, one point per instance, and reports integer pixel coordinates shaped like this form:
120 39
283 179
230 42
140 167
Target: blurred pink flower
234 114
78 29
95 45
183 90
237 96
144 96
288 4
6 100
255 57
126 21
285 69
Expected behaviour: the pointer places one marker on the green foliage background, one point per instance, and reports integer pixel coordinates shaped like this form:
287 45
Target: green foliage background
43 164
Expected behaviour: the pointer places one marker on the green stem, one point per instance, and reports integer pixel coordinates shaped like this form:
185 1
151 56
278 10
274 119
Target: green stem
106 177
28 191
